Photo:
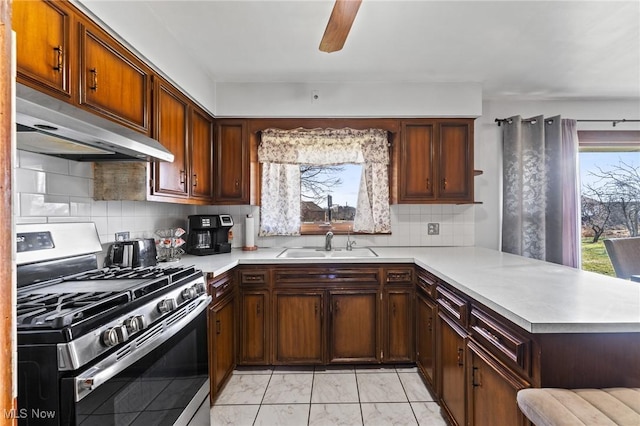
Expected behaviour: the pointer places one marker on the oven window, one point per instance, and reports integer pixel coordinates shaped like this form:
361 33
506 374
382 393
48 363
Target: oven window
156 389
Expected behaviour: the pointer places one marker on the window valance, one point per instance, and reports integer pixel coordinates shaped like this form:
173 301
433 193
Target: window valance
323 146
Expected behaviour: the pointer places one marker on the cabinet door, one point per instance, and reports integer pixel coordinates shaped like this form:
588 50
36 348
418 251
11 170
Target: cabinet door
452 369
298 327
171 131
113 83
417 173
253 333
426 312
492 391
42 45
221 329
201 155
231 163
354 331
398 324
455 162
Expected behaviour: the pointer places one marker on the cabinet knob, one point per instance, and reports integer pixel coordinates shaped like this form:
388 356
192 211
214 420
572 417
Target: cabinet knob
94 79
444 183
237 183
60 59
427 183
195 179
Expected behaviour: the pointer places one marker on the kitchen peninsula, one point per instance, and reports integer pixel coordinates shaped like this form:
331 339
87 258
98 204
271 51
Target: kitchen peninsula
481 324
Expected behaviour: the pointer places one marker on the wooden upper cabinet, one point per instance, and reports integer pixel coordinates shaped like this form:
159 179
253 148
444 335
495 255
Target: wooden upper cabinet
455 161
231 159
417 174
435 161
42 45
171 130
201 154
113 82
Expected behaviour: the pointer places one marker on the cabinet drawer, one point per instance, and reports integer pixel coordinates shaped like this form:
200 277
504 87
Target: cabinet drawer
456 307
399 276
254 277
504 343
219 287
427 283
335 276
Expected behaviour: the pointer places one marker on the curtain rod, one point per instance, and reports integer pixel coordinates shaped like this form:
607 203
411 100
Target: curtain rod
549 121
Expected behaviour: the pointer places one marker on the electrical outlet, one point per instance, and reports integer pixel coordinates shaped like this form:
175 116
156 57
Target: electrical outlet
433 228
122 236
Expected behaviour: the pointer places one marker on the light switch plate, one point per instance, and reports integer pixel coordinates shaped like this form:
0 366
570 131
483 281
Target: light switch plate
433 229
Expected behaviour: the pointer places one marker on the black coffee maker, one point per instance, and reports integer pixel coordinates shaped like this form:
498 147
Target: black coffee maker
209 234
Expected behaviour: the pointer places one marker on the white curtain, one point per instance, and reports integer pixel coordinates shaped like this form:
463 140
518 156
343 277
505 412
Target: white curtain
540 189
292 148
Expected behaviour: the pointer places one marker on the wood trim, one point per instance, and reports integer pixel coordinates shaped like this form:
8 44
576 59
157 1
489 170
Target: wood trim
613 138
7 281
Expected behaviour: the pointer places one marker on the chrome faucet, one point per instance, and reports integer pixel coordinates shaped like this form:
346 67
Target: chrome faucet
350 243
327 241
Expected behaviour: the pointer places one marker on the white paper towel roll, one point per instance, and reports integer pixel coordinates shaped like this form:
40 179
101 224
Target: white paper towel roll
249 242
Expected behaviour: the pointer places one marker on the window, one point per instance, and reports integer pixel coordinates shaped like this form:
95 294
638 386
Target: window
328 197
285 154
610 193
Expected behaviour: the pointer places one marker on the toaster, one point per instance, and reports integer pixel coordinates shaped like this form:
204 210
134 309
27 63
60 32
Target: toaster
134 253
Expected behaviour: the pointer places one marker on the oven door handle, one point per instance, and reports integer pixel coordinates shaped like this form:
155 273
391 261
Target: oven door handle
135 349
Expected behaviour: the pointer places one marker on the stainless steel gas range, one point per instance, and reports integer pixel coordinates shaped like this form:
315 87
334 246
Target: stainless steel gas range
105 346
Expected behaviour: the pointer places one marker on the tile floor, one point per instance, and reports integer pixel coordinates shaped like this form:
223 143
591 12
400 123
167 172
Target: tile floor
326 396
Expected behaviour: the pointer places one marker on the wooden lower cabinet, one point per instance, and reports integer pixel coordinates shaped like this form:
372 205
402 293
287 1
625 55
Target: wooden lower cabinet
426 314
298 327
353 329
492 390
398 325
452 341
254 327
222 344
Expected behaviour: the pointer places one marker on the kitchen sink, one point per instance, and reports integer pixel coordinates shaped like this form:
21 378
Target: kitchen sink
315 253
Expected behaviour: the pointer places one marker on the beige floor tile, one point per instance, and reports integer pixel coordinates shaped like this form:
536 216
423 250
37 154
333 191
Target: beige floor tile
428 414
414 387
233 415
283 415
388 414
383 387
244 389
335 415
334 388
289 389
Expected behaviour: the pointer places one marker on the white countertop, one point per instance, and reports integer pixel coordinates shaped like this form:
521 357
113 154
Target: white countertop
540 297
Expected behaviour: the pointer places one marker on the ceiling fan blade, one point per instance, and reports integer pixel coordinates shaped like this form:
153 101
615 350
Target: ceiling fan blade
342 16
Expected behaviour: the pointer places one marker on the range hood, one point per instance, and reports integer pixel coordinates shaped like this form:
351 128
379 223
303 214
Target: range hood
47 125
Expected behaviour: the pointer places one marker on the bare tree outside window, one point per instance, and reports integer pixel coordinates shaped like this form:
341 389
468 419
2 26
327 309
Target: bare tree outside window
328 197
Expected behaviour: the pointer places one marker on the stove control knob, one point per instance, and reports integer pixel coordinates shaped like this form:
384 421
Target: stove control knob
135 324
166 305
200 288
115 335
189 293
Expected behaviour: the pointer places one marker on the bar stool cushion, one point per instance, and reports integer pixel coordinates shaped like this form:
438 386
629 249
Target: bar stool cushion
578 407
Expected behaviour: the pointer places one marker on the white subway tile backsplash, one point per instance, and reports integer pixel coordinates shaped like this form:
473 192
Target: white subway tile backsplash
54 189
45 163
32 181
68 185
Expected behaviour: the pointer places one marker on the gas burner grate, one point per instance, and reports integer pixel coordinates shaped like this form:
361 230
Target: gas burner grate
55 311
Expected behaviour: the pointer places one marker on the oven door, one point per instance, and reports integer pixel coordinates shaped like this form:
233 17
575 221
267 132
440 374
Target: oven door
161 376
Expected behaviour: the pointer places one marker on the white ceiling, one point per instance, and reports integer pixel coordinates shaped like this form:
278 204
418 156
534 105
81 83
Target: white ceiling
515 49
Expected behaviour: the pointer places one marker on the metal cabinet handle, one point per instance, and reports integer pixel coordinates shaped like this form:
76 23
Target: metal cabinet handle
237 183
60 61
195 179
474 377
460 355
427 183
182 176
94 79
217 326
444 183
